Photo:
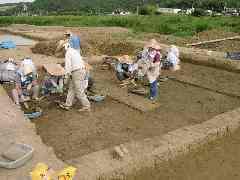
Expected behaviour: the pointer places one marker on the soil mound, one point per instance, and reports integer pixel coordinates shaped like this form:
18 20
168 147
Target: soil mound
45 47
90 47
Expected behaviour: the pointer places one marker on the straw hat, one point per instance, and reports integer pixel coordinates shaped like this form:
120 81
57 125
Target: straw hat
153 44
27 69
54 69
126 59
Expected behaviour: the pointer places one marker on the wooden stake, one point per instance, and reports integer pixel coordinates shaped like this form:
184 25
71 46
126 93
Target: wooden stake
214 41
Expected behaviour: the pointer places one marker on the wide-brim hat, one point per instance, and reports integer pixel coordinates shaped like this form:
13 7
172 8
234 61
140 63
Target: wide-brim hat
125 59
27 69
54 69
153 44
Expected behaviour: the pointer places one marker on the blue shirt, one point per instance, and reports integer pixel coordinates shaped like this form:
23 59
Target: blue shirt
75 42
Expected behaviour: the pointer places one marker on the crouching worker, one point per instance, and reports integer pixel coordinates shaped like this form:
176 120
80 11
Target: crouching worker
8 71
153 67
172 62
26 85
125 68
53 80
76 77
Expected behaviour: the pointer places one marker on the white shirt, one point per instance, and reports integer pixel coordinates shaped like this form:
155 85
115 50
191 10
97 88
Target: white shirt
73 61
154 72
173 56
28 61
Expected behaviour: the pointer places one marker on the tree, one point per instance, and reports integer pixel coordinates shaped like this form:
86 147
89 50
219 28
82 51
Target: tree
148 10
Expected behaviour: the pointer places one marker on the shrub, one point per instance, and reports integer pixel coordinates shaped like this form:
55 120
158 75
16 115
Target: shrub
198 12
148 10
167 24
202 26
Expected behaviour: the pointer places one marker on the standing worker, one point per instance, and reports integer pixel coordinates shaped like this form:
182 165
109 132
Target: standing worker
153 67
74 40
76 76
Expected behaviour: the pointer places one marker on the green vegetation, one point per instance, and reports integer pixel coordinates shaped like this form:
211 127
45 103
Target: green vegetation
5 8
148 10
101 7
107 6
164 24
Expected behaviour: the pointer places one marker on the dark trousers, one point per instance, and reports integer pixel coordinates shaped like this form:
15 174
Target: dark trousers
153 89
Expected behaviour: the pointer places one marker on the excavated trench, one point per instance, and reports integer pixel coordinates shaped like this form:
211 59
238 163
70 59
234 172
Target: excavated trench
191 96
215 160
112 122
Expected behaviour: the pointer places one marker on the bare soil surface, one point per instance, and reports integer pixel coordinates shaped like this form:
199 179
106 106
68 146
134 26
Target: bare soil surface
218 160
116 41
224 46
196 94
110 123
208 77
54 32
22 52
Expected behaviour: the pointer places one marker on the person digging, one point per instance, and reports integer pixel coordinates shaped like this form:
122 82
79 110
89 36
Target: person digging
125 70
53 80
26 83
76 78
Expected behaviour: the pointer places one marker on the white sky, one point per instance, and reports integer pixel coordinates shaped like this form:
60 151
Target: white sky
14 1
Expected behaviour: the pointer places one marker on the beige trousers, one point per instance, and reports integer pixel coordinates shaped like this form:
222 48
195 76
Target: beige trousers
77 87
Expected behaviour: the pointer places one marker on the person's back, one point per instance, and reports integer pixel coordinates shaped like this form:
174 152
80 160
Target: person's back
9 76
73 60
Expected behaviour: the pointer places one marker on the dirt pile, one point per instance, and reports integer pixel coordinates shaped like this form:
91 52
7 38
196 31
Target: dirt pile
113 47
45 47
89 47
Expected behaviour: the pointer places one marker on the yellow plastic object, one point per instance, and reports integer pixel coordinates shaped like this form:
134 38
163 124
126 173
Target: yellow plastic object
67 173
40 172
43 172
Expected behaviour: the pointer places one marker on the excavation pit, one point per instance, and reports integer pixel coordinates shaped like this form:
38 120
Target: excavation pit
115 121
174 139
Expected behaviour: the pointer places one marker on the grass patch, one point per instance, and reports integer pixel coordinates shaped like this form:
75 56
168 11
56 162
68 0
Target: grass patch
164 24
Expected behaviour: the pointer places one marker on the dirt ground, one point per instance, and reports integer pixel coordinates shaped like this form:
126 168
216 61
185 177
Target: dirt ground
224 46
191 96
72 134
118 41
218 160
219 81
